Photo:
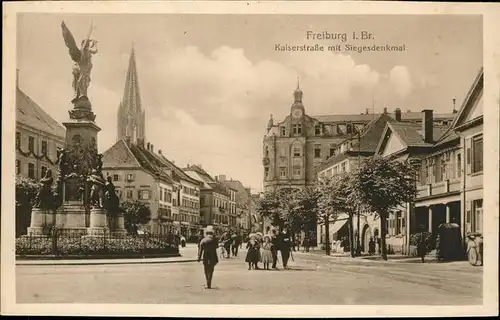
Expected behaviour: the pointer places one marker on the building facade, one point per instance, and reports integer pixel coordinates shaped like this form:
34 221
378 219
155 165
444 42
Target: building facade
141 174
131 116
243 200
217 200
385 136
38 136
294 147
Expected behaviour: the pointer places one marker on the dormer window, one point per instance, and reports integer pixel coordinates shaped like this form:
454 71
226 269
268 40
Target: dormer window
283 130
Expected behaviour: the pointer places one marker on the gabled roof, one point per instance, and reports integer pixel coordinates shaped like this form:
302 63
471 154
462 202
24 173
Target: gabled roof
31 114
120 156
123 155
206 177
243 195
474 92
410 134
405 116
176 170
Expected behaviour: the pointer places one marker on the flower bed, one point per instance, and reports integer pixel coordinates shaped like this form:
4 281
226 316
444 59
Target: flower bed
89 246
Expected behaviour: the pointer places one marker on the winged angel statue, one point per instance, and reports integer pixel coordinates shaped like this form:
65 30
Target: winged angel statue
83 60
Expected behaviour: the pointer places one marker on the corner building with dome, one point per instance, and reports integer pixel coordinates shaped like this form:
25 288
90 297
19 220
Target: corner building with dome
294 147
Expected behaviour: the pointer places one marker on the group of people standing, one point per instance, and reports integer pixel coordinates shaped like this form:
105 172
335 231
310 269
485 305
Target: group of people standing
264 249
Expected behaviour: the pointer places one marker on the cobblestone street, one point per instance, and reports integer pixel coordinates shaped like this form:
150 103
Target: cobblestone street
313 279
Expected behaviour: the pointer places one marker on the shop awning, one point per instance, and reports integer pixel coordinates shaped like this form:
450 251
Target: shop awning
340 221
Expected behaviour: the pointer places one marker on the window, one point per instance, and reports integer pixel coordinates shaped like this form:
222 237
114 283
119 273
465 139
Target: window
398 223
116 177
296 151
297 128
130 194
477 154
18 167
44 147
343 167
438 177
459 165
130 177
283 131
317 130
43 171
31 170
283 172
478 215
161 194
18 139
266 152
297 172
332 152
144 195
317 151
31 143
266 172
423 172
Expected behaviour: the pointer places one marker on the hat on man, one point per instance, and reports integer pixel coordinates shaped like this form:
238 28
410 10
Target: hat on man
209 230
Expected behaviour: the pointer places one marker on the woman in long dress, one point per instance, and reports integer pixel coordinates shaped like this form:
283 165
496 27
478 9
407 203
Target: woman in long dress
252 254
266 255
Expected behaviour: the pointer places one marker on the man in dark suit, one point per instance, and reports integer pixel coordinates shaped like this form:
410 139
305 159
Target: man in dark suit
274 248
208 252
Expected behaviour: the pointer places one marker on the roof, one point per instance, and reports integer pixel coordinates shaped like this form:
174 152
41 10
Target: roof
202 173
243 195
176 170
120 156
405 116
133 156
148 162
370 137
410 133
31 114
474 91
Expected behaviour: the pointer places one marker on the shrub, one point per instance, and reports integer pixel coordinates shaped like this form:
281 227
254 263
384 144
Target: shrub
87 246
428 239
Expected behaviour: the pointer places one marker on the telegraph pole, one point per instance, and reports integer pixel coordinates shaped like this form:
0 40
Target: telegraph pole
358 244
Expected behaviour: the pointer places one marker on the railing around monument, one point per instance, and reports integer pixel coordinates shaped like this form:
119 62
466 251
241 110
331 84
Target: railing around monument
56 244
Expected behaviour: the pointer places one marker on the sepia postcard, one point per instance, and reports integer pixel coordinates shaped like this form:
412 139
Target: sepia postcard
250 158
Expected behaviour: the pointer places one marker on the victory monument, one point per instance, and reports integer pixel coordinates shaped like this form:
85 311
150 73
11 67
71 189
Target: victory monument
80 189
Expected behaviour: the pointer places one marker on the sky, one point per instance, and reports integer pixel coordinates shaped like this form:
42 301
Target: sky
209 82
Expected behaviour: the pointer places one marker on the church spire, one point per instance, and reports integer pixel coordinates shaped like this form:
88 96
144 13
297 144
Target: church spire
130 113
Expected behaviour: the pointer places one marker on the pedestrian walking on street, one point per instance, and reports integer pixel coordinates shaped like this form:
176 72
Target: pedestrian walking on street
252 257
285 248
236 244
266 255
208 253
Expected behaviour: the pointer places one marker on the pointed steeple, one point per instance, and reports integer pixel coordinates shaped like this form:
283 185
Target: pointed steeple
297 94
130 113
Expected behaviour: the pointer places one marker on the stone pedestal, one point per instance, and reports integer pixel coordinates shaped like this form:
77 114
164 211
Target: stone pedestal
38 221
98 222
70 219
120 228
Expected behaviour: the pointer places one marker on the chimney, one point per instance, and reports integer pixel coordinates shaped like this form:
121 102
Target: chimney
385 109
17 78
397 115
148 146
454 110
152 148
127 140
248 190
427 125
367 111
216 178
159 151
222 177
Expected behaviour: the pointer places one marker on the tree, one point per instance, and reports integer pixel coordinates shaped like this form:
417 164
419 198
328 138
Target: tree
335 198
382 185
26 190
135 213
305 210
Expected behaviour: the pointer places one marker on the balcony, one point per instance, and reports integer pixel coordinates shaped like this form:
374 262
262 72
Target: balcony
434 189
